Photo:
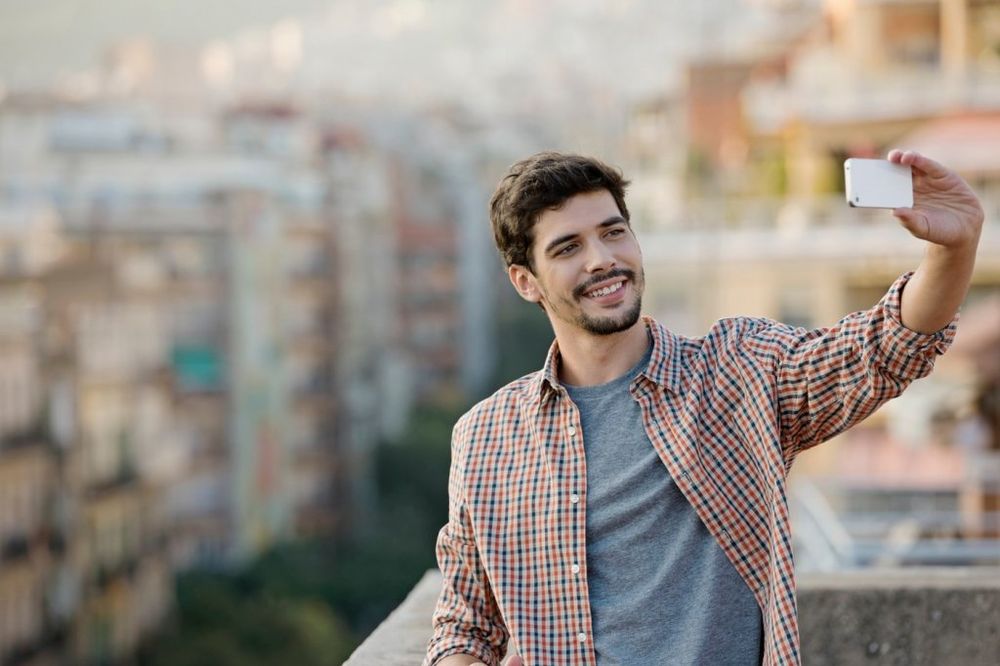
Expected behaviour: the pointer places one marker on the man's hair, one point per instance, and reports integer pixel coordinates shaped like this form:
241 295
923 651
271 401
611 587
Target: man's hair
545 181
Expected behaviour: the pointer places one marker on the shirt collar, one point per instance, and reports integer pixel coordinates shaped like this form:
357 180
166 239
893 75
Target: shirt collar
664 368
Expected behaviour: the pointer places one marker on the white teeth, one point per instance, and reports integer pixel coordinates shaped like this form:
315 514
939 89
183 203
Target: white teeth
607 290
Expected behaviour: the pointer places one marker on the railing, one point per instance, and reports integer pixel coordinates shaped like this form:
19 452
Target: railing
843 95
895 529
914 616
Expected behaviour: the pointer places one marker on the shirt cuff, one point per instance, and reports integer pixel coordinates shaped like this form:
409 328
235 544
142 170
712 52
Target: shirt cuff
484 654
907 352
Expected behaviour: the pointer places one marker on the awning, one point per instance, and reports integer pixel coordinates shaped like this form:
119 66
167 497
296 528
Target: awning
968 144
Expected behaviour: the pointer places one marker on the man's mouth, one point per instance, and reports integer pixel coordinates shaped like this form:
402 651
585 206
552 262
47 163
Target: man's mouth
605 285
606 290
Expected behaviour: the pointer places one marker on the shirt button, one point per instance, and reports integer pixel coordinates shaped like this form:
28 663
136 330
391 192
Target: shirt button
575 568
571 430
582 637
574 498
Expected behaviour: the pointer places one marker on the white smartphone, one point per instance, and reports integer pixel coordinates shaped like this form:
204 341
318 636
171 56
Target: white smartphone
878 184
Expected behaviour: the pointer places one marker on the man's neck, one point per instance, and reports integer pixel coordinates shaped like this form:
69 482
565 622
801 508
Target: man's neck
590 360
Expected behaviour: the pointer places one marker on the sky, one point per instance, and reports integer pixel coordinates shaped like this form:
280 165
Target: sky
40 39
372 44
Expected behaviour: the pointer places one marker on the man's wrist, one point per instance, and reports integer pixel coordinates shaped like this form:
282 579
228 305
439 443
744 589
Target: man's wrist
954 253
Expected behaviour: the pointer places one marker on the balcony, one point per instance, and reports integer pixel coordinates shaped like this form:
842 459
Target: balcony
125 478
124 570
42 648
842 526
821 229
918 616
842 95
14 548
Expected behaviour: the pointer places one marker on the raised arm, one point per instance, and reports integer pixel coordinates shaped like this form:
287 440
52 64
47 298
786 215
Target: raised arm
948 215
829 379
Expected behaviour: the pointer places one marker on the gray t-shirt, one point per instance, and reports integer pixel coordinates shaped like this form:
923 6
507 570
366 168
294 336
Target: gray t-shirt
662 591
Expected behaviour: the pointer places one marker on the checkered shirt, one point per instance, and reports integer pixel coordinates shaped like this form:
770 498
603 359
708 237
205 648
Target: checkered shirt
727 413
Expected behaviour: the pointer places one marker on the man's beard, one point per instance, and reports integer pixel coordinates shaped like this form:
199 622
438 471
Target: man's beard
613 324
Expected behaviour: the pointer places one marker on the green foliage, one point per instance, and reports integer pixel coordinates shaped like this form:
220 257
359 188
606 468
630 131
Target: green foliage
307 602
287 606
414 469
231 620
524 337
376 569
699 172
772 174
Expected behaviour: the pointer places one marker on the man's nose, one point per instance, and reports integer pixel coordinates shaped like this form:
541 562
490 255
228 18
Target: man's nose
600 258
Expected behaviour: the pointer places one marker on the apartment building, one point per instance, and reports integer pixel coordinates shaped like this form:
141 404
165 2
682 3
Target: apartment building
111 416
29 547
27 487
765 230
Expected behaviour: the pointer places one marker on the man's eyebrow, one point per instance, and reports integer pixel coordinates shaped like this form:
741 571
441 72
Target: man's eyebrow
611 221
559 241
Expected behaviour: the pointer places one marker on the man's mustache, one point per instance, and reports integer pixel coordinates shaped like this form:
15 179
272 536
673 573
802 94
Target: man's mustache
613 273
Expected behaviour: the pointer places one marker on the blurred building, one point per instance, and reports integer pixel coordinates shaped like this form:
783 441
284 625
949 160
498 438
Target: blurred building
760 226
312 280
86 573
166 313
762 229
415 280
105 362
849 80
28 481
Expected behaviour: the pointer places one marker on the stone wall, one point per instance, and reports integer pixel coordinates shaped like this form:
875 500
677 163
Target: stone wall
916 617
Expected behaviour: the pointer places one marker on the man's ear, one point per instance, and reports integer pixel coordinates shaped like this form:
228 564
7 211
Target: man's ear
524 282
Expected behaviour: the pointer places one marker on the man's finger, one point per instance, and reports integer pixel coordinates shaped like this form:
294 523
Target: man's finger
914 159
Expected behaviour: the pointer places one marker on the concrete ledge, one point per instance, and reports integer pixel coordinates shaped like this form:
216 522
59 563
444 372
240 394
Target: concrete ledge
912 617
915 616
402 638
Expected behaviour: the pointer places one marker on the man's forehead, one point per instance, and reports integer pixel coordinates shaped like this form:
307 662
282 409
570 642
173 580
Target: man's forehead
581 211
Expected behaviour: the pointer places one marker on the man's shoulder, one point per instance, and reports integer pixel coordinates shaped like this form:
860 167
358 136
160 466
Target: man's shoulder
725 332
502 402
741 325
744 331
738 339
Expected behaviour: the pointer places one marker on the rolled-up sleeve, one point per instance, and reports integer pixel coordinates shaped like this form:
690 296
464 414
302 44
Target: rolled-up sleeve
903 352
467 619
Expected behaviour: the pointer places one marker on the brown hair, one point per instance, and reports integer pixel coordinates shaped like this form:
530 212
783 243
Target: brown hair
545 181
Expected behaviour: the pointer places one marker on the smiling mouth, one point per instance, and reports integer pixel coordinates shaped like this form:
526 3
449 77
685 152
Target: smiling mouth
606 290
605 286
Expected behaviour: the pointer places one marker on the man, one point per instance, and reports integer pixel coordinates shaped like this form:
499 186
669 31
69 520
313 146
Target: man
626 504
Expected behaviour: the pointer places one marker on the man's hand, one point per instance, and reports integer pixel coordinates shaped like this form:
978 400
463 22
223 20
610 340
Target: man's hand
509 661
948 215
466 660
945 210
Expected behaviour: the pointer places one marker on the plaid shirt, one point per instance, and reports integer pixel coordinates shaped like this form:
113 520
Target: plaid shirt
727 414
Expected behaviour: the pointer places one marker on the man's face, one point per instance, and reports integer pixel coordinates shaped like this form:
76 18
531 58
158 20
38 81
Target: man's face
587 266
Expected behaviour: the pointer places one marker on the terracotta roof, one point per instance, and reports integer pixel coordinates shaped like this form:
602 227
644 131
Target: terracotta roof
967 144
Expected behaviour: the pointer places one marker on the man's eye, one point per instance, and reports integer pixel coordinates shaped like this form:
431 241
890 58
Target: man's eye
616 232
566 249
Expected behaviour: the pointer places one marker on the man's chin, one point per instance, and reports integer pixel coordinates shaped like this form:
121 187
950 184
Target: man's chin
610 325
